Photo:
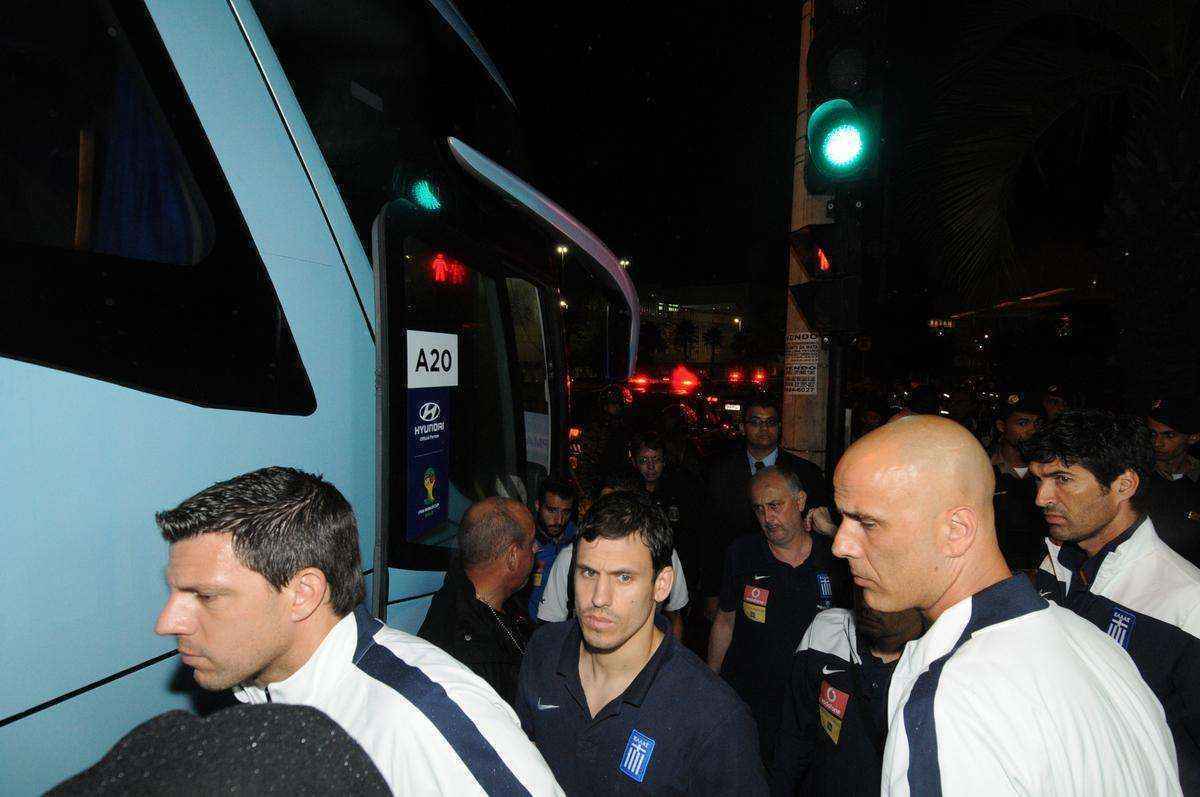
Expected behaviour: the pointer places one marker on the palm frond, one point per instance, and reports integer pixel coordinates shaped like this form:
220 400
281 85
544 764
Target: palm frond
959 169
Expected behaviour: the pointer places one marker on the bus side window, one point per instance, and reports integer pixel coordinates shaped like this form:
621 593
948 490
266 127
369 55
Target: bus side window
532 368
124 255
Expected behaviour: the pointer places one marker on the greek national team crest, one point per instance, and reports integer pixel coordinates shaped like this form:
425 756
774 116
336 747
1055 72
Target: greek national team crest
1120 626
825 587
636 758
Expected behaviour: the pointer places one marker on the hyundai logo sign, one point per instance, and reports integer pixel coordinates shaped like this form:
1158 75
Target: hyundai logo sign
430 411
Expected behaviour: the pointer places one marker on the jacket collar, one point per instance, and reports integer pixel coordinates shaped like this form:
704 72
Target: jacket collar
1005 600
1125 550
314 684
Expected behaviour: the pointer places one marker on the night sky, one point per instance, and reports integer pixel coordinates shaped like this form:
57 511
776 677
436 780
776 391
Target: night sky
667 128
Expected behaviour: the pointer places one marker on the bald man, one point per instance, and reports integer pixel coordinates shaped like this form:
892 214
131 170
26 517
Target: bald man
474 616
1005 693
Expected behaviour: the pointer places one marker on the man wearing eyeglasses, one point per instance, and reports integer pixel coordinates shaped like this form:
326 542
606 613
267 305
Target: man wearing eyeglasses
729 514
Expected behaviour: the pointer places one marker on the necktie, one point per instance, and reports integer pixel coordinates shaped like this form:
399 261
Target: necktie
759 465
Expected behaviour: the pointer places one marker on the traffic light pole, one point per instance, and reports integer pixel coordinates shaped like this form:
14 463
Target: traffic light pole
850 255
834 439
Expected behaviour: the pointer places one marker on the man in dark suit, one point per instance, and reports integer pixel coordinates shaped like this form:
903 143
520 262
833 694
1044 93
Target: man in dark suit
729 513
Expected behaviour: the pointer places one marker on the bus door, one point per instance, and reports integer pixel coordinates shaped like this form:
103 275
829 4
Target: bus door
465 405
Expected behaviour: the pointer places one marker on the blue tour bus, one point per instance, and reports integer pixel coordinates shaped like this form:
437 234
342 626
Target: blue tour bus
248 232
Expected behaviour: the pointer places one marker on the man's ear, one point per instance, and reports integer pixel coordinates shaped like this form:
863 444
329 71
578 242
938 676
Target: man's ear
309 589
1000 426
1125 485
801 500
663 583
959 531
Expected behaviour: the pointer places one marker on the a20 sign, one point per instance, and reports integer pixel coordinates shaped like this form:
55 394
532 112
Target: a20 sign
432 359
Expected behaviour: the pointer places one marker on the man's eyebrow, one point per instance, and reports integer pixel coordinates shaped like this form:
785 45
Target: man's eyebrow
616 572
859 516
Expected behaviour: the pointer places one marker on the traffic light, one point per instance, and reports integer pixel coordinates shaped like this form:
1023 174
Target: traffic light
829 299
841 140
845 66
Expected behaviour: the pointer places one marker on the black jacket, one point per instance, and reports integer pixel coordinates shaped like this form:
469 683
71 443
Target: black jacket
679 496
729 515
465 627
1020 524
1174 506
834 722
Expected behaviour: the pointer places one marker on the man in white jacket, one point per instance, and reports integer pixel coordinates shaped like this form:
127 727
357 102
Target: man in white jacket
1107 563
265 578
1005 693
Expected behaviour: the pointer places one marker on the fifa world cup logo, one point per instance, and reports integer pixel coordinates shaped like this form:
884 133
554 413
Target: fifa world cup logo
430 483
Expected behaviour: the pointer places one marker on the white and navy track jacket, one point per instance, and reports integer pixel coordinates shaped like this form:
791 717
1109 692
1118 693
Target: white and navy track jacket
1009 694
431 725
1147 598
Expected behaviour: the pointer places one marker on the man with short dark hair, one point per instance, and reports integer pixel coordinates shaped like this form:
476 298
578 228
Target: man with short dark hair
614 701
475 616
1173 488
1020 528
264 579
1107 563
673 492
775 582
729 514
554 514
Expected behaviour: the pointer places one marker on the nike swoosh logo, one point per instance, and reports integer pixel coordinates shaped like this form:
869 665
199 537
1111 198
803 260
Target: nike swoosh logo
827 671
1045 594
760 578
544 706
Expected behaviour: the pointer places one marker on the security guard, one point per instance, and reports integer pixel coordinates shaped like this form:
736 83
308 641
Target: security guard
834 722
774 583
612 700
1020 528
1173 489
1107 564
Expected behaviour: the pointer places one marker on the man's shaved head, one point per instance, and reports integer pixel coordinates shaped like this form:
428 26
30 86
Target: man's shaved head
916 500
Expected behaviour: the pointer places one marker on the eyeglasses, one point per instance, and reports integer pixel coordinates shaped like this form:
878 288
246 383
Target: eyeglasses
760 422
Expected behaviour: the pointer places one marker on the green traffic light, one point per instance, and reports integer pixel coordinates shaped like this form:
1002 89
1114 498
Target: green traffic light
425 195
839 139
843 146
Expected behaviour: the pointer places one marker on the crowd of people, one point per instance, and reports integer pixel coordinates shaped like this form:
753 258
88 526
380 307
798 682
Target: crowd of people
929 617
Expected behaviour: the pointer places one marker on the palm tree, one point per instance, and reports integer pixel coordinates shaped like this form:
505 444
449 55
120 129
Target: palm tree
685 337
1007 92
650 339
714 336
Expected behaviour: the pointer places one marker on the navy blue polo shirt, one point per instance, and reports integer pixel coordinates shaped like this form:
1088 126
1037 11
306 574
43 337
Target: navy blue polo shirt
677 729
774 605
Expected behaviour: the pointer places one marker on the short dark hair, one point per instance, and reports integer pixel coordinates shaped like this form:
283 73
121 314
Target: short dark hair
763 402
561 487
1104 443
620 514
487 531
282 521
648 438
